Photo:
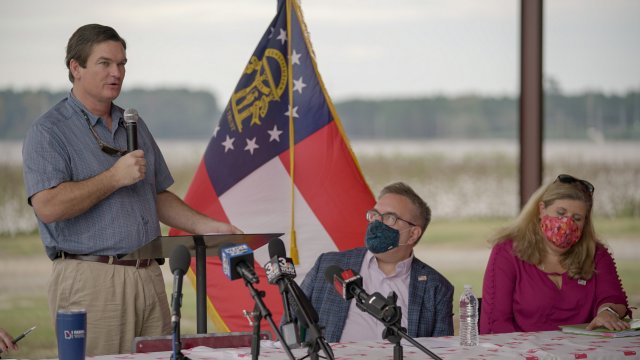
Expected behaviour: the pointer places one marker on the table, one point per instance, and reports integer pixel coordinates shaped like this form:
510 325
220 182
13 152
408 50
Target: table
528 346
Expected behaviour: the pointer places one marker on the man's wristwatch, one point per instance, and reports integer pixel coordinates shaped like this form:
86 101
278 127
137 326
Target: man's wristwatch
609 309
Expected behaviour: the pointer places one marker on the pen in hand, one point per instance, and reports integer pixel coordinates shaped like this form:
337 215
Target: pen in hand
19 337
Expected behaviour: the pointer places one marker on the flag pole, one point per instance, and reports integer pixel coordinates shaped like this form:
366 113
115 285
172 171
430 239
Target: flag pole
293 245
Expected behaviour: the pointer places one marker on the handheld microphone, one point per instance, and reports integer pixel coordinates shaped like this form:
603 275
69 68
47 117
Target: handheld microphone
179 264
237 262
348 284
131 124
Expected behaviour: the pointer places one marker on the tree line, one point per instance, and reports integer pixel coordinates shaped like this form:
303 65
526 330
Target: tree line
169 113
187 114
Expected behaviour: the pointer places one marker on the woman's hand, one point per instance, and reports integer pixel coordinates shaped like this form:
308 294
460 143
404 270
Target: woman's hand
607 318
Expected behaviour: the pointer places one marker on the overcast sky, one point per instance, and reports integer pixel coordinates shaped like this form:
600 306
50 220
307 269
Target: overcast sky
364 48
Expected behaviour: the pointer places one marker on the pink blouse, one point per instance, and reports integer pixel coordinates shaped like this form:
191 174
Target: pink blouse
517 296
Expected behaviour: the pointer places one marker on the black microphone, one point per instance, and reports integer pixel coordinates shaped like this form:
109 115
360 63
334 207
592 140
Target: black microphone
179 263
280 270
131 124
304 307
279 267
305 304
283 272
309 319
348 284
237 262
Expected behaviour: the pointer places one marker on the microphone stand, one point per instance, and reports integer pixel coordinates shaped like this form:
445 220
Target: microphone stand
177 344
176 303
255 340
391 333
265 313
394 332
317 339
254 318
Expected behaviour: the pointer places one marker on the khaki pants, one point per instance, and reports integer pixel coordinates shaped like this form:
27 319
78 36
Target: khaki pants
122 302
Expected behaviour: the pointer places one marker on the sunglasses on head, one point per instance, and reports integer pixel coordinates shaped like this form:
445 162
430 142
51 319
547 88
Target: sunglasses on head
568 179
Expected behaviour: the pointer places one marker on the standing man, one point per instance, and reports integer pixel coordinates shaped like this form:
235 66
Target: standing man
94 201
396 223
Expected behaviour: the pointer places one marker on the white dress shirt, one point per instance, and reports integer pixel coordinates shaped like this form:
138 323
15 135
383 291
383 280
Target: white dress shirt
360 325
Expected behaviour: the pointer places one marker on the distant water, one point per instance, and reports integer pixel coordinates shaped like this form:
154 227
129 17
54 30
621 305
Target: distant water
476 178
176 151
11 152
620 151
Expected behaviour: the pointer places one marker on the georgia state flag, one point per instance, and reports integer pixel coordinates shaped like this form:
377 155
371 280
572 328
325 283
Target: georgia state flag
279 162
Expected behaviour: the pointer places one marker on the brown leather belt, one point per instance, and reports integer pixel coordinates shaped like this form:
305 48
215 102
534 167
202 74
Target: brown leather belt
112 260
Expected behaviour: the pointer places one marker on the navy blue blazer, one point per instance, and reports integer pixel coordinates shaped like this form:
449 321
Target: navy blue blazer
430 296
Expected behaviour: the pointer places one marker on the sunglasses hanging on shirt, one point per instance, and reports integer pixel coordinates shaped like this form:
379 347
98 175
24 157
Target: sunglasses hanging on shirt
103 146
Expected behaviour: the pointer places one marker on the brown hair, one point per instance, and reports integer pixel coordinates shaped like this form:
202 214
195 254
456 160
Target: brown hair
421 207
82 41
528 239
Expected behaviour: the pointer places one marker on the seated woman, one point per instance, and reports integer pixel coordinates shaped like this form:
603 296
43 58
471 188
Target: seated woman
549 269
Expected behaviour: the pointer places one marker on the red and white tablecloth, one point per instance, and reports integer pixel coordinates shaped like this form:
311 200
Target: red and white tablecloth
529 346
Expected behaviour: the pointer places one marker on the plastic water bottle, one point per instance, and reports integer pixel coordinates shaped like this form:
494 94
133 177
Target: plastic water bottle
468 318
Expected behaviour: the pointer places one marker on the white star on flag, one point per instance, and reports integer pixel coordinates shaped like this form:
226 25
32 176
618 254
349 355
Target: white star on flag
271 29
283 36
251 145
295 111
215 131
275 134
298 85
228 144
295 57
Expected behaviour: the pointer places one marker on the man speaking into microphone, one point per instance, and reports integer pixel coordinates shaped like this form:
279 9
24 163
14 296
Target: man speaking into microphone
97 195
386 263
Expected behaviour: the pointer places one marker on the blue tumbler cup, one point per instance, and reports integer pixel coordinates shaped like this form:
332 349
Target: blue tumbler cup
71 331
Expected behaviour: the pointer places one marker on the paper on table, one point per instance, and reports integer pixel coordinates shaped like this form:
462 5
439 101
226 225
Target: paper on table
580 329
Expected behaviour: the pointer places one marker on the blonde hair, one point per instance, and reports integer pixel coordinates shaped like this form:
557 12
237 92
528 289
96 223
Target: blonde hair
529 241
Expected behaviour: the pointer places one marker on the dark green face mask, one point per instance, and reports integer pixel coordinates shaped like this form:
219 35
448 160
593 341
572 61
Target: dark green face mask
381 237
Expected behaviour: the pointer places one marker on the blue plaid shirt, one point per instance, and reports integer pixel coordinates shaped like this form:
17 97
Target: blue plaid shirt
59 147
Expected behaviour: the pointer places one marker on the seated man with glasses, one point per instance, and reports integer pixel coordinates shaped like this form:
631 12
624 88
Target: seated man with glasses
387 263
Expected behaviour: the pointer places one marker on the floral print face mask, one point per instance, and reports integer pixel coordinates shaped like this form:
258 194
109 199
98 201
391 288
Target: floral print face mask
561 231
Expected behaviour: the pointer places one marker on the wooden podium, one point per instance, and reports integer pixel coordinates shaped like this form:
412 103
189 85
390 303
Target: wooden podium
199 246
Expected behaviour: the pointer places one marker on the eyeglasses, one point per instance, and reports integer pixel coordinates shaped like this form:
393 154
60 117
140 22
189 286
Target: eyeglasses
568 179
103 146
386 218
